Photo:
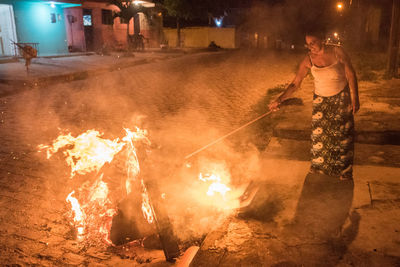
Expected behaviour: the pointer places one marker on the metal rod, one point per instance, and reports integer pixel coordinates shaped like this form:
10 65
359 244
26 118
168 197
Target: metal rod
228 134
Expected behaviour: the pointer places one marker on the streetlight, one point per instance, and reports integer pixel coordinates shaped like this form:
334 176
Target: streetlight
218 21
143 3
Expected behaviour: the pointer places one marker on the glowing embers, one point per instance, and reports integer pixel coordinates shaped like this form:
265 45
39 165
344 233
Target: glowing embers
93 203
93 218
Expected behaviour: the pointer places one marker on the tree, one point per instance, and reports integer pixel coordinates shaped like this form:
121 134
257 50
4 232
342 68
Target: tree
180 9
190 9
128 10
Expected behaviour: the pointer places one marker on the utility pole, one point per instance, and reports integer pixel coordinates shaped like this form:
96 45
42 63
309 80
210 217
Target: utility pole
394 40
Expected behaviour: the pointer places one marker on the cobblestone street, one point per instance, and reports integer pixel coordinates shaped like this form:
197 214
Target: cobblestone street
184 103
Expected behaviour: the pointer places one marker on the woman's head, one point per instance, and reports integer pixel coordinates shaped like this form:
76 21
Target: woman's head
315 40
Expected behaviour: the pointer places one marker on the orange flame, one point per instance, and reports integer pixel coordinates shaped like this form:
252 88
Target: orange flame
146 206
86 153
216 185
132 162
99 192
79 215
89 152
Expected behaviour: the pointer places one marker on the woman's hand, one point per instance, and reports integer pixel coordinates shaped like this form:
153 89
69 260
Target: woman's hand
305 65
274 105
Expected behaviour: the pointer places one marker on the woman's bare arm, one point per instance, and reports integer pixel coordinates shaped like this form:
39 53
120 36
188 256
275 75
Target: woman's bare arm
351 77
302 72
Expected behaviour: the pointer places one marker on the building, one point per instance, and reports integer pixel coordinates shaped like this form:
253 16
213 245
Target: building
41 23
60 27
369 23
92 27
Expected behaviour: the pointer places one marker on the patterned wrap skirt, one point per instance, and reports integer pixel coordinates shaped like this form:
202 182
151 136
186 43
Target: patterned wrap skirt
332 137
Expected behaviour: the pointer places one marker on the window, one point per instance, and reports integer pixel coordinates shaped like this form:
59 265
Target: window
87 20
87 17
53 18
106 17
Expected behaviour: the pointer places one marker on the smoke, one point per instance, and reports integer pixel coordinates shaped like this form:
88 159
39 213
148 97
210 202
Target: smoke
286 21
184 104
194 211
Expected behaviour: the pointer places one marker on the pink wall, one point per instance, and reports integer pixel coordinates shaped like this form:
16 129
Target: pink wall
105 36
75 34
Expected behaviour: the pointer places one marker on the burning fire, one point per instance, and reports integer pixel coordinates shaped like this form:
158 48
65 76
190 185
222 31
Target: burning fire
91 205
146 207
216 185
76 208
89 151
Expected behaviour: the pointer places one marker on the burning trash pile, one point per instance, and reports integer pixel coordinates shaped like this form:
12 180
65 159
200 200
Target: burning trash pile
103 183
93 204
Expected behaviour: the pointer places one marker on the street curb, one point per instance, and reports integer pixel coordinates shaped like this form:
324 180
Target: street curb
72 76
25 84
8 60
70 55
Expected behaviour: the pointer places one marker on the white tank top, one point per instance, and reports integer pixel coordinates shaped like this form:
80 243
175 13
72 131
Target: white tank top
329 80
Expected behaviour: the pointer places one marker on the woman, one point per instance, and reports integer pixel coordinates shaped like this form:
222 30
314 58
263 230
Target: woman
334 104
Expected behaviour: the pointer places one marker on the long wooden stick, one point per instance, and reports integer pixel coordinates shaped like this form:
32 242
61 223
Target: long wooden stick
228 134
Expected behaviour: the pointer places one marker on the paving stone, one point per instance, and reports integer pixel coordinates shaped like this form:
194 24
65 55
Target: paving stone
52 253
385 191
382 237
72 246
28 247
96 264
73 259
53 239
98 254
31 234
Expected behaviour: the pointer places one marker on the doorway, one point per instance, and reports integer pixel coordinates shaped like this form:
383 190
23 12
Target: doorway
8 33
88 29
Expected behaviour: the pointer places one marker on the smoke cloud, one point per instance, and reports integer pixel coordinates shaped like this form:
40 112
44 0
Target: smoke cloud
184 104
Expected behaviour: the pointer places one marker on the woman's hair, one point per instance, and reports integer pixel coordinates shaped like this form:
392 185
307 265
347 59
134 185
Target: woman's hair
319 33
